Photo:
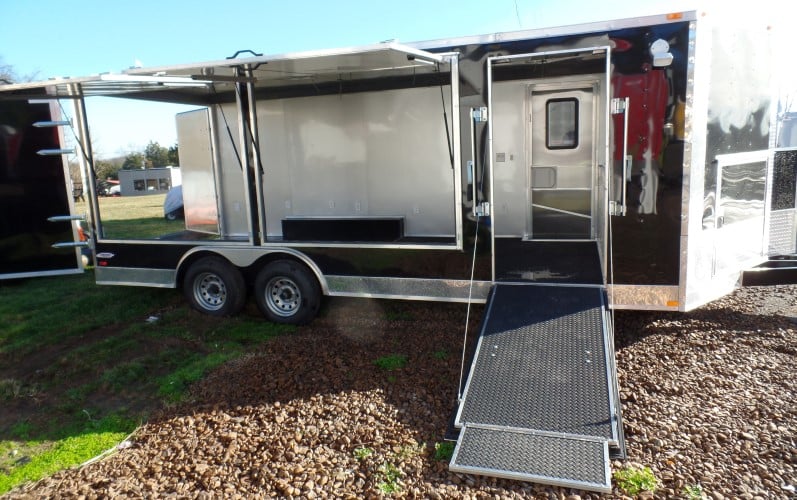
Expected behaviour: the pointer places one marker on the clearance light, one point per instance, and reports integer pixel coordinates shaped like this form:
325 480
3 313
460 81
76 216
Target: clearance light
672 303
675 16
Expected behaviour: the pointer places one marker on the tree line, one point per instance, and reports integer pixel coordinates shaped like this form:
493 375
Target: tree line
153 156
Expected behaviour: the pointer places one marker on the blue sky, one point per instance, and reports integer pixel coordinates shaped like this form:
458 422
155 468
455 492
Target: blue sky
82 37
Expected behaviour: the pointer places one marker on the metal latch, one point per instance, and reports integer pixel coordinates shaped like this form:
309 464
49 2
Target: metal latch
616 208
619 105
483 209
479 114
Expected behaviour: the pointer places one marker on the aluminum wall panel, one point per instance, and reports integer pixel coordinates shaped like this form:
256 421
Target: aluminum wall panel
196 165
363 154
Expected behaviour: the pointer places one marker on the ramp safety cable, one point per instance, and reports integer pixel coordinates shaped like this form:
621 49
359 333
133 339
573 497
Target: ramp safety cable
472 272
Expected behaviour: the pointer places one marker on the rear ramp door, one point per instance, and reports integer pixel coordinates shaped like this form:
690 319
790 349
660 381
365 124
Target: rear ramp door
540 403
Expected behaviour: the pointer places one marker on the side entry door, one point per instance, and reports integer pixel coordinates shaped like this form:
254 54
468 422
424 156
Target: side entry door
561 179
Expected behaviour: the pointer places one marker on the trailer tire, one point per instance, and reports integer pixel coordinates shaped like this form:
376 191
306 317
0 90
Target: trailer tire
214 286
287 292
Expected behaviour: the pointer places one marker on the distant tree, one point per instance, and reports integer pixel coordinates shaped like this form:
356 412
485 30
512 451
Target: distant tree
174 157
134 160
157 155
106 169
8 75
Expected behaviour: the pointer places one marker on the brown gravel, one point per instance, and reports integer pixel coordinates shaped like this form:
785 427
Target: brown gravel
708 399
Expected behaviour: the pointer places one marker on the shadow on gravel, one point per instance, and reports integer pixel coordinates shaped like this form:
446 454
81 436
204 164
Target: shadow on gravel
634 326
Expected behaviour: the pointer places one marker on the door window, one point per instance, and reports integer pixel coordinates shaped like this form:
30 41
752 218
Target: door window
561 123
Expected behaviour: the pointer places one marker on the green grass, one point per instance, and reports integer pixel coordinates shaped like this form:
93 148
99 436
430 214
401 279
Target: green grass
134 217
43 311
391 479
443 451
81 367
391 362
45 458
634 480
694 492
363 452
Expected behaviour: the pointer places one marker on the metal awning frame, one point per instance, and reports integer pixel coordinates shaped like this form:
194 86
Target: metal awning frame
353 63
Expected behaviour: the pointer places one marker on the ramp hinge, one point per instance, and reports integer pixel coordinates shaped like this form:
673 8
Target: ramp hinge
618 105
483 209
479 114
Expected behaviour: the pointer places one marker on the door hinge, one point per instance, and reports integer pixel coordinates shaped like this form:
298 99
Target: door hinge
483 209
479 114
616 208
619 105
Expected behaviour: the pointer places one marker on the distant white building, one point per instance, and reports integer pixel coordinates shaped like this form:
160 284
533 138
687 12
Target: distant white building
148 180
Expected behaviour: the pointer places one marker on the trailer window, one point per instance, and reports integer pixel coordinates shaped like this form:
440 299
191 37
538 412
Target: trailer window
561 123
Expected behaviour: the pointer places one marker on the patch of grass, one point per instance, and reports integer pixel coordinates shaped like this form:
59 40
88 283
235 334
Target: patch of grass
174 386
411 450
443 451
391 362
634 480
134 217
694 492
363 452
97 437
441 355
391 479
40 312
82 342
124 374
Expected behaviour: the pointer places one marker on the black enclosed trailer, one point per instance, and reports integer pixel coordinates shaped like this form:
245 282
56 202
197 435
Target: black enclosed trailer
37 234
554 174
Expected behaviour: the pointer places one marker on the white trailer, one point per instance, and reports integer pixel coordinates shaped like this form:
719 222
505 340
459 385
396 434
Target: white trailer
554 174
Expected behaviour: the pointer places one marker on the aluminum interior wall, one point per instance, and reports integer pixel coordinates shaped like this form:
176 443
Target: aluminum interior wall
196 160
509 113
232 202
362 154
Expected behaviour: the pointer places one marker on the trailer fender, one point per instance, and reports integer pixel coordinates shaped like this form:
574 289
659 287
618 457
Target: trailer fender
243 257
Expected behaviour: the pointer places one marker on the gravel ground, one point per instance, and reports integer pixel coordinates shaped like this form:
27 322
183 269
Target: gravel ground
708 399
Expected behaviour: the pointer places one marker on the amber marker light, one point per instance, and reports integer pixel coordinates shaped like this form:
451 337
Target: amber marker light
675 16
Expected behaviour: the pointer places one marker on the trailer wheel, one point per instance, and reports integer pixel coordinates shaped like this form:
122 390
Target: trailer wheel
287 292
214 286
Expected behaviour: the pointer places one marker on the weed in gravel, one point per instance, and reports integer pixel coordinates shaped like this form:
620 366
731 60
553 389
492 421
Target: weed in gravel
408 451
443 451
362 453
634 480
391 362
442 355
694 492
392 476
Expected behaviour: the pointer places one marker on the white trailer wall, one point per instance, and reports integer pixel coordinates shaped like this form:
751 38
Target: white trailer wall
365 154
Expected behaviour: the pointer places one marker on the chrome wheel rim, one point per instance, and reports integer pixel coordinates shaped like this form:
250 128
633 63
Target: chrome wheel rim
283 296
210 291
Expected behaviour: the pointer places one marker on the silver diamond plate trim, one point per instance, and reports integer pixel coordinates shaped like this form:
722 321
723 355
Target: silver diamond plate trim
782 237
528 456
550 375
408 288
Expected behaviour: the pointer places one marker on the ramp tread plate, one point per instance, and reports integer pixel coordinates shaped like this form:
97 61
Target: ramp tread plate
541 363
526 456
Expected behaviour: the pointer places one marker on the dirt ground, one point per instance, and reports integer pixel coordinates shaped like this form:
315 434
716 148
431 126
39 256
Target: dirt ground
708 404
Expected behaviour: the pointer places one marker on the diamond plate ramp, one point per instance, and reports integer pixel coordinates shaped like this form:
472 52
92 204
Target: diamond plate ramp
527 456
540 400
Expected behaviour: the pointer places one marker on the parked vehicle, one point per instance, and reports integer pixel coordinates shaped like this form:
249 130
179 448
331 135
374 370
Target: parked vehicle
173 204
